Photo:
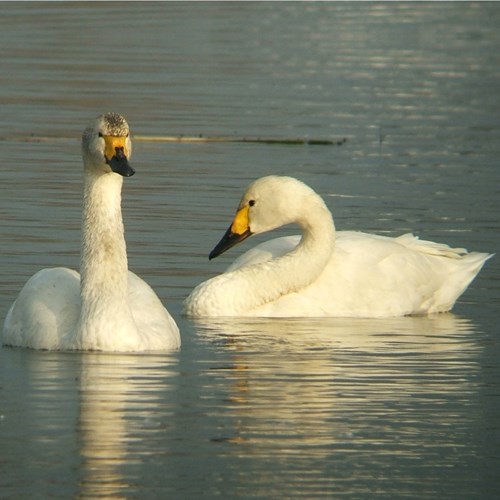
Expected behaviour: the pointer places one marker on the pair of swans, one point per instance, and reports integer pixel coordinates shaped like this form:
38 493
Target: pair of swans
321 273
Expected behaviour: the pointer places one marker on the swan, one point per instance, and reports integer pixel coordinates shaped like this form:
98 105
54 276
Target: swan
106 307
324 272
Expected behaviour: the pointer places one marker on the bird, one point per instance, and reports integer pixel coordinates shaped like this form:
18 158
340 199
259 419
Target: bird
322 272
105 307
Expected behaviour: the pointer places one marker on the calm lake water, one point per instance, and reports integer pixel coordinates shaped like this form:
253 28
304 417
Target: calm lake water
406 408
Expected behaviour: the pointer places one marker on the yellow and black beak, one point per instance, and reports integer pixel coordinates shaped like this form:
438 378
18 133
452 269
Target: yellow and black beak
116 155
238 231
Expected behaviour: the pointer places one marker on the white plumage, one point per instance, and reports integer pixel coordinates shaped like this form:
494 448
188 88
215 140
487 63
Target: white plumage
324 272
107 307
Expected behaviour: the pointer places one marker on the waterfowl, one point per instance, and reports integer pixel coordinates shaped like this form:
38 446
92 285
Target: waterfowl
106 307
324 272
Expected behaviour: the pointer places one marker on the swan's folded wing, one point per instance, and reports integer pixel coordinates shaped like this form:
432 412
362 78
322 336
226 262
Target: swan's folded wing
151 316
377 276
265 252
45 310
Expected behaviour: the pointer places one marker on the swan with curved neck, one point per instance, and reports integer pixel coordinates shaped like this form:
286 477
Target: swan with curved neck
106 307
324 272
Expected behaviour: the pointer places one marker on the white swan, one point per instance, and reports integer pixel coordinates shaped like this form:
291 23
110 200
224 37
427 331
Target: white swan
324 273
108 308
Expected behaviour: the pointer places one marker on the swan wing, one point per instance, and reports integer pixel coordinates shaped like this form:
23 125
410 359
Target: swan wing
265 252
378 276
153 321
46 310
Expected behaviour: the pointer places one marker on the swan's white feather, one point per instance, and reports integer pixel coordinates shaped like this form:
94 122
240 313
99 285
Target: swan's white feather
45 311
365 275
376 276
265 252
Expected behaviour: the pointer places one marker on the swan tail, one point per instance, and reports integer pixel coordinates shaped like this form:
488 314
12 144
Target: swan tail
413 242
466 270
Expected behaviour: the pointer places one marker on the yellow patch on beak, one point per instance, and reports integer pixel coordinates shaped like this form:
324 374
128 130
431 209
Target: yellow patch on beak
240 222
112 142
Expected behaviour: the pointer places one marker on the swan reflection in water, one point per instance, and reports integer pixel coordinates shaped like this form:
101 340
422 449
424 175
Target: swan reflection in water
120 401
318 386
431 332
258 399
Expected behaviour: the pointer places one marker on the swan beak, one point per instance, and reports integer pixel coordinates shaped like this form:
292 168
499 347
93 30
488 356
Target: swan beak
238 231
116 156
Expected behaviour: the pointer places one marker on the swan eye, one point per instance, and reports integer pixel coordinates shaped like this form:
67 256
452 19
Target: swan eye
251 203
100 134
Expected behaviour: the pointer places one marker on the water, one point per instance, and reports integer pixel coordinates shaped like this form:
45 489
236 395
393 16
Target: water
337 408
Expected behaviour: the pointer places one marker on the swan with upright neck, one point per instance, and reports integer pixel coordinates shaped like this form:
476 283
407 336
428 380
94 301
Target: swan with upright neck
324 272
106 307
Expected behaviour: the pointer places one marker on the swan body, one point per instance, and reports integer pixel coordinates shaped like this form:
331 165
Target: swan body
106 307
324 272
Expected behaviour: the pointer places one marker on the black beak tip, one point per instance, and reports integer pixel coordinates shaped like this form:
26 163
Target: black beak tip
121 166
228 241
129 173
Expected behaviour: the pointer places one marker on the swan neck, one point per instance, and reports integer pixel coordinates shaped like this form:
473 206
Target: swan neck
295 270
303 265
103 262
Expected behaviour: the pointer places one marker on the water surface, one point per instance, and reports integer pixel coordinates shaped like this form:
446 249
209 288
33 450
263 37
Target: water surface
304 408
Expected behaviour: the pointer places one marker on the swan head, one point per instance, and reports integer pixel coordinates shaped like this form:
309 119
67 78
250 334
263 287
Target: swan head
268 203
106 145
